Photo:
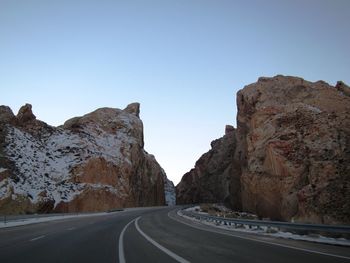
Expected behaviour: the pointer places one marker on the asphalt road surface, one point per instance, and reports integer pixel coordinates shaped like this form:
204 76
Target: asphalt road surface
152 235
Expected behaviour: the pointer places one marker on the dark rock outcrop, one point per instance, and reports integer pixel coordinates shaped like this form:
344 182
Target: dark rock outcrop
210 179
25 114
6 115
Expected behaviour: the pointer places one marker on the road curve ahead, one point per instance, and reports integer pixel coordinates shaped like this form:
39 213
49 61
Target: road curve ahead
151 235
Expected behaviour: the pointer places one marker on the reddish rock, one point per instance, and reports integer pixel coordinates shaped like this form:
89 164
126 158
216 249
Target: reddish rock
291 156
6 115
294 139
92 163
25 114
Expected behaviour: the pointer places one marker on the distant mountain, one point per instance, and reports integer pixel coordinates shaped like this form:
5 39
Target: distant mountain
92 163
288 159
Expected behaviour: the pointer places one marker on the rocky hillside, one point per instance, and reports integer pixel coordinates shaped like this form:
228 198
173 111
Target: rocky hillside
292 151
92 163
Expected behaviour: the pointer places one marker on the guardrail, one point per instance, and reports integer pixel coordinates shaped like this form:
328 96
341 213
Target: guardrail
282 226
13 218
22 217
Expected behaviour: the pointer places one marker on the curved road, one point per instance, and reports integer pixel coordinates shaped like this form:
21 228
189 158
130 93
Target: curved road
151 235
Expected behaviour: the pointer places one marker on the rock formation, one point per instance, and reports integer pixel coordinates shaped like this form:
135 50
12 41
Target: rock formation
92 163
210 179
170 195
293 151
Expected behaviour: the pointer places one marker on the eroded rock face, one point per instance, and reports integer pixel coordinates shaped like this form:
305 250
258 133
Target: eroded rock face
291 156
25 114
294 143
92 163
209 180
6 115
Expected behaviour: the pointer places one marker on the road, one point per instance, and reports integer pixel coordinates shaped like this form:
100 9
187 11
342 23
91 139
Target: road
151 235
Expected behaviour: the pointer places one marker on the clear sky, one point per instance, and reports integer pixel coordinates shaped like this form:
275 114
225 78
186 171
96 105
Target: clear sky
183 60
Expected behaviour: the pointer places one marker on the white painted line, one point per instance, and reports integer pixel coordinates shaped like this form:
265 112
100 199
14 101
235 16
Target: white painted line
165 250
257 240
121 244
36 238
71 228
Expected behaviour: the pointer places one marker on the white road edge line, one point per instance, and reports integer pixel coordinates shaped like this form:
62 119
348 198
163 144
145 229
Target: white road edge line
121 244
165 250
36 238
257 240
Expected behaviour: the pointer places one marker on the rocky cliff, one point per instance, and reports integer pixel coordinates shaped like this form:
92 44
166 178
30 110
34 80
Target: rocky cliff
92 163
293 150
210 179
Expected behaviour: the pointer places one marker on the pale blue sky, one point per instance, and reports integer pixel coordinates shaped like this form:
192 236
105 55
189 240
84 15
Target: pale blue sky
183 60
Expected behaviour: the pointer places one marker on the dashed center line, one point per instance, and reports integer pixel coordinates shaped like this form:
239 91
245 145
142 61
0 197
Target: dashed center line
36 238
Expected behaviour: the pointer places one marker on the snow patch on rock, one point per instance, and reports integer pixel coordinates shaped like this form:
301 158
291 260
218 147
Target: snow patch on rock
170 195
91 163
44 164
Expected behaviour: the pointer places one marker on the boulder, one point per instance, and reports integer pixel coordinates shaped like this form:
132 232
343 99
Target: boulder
6 114
25 114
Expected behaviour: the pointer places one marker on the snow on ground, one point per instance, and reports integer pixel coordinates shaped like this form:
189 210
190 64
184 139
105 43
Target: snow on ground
263 230
196 209
28 221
